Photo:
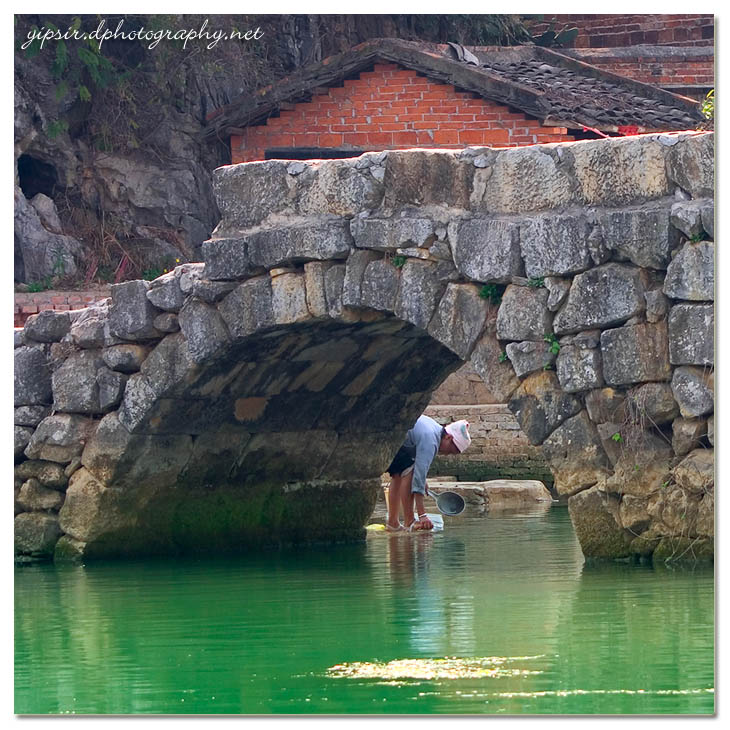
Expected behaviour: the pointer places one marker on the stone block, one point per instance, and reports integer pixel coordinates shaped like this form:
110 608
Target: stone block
529 356
643 465
21 437
318 239
642 235
314 279
36 533
204 330
389 234
379 287
523 314
35 497
459 319
111 388
334 282
425 177
651 404
60 437
119 459
691 164
601 297
521 180
595 518
657 305
30 415
555 245
32 377
486 249
687 434
498 377
248 307
686 216
125 358
422 283
579 369
691 274
289 298
635 354
131 314
707 210
227 258
337 187
624 172
540 405
90 327
692 334
47 326
575 455
356 264
606 404
47 473
167 322
633 514
165 292
247 195
696 472
558 289
694 391
75 385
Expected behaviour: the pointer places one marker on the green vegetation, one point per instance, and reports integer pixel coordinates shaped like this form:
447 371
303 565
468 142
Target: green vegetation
502 356
553 342
536 282
492 292
398 261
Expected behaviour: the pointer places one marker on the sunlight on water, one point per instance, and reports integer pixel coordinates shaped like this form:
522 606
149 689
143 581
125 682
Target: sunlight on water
446 668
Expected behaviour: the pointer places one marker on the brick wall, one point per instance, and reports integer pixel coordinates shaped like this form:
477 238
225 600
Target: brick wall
393 108
28 303
612 31
499 449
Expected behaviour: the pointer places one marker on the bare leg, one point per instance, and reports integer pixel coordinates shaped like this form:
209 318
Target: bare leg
407 499
394 500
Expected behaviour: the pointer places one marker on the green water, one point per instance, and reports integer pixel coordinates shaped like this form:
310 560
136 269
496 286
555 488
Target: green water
493 615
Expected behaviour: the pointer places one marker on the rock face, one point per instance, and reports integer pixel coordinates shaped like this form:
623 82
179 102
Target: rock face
256 398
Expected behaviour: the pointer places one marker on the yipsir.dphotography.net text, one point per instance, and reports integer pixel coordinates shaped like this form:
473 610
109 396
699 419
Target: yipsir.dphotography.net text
153 37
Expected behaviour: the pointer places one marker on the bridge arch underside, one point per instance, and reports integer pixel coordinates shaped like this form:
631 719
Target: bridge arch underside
279 437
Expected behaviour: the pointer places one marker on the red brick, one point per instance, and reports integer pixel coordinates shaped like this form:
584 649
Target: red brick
30 309
446 136
330 140
355 138
380 138
405 138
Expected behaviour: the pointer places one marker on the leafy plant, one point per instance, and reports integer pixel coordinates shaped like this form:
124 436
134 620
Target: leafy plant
38 286
502 356
708 106
493 292
398 261
553 341
617 437
536 282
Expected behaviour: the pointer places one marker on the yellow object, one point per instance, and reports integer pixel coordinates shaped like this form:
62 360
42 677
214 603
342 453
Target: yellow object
375 528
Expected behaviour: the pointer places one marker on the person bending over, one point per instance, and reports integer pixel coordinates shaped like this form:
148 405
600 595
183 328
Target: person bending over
410 466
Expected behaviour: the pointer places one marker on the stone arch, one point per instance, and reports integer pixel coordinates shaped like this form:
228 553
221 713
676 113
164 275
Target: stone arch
335 296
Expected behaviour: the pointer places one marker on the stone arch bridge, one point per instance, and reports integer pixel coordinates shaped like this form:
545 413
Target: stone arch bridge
257 397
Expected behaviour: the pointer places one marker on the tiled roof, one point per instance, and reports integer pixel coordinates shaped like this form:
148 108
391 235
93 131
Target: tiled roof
550 86
601 100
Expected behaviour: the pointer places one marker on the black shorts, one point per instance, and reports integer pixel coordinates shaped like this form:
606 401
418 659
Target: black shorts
402 460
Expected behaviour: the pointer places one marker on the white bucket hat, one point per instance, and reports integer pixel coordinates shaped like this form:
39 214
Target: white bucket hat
459 431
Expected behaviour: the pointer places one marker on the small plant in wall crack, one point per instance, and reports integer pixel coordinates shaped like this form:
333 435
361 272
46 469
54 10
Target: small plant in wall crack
398 261
492 292
617 437
536 282
552 340
502 356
